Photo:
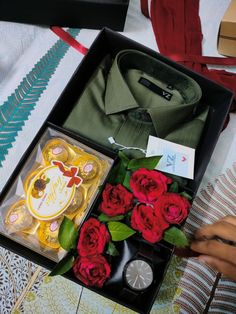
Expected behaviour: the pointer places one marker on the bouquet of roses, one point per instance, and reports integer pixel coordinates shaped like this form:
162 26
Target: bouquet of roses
138 200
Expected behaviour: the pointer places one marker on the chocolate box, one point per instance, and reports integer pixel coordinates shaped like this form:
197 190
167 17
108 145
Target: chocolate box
216 97
93 14
60 179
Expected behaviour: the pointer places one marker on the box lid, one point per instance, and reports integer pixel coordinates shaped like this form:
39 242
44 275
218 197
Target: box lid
93 14
228 23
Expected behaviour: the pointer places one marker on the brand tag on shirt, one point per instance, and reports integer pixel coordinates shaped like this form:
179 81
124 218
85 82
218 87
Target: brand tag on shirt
155 89
176 159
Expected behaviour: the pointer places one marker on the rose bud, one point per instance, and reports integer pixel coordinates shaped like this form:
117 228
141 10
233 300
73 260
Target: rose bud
173 207
116 200
150 225
93 238
92 270
148 185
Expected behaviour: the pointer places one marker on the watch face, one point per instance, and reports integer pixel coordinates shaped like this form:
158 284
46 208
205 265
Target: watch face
138 275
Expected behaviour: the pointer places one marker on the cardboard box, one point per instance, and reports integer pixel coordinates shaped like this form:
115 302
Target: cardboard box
216 97
94 14
227 32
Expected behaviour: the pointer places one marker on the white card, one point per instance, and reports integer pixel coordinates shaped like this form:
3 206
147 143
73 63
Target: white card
176 159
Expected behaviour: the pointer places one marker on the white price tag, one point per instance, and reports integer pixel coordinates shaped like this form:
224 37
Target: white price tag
176 159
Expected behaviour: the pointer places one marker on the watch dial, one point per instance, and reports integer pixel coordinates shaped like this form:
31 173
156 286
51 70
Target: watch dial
138 274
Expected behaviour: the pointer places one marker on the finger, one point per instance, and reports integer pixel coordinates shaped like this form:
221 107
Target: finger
221 229
230 219
216 249
221 266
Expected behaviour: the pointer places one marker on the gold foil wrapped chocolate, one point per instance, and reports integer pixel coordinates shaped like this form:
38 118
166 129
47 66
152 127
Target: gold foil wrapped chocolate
88 169
58 149
48 233
76 204
18 217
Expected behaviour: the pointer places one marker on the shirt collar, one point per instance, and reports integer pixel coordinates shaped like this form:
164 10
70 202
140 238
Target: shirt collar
118 96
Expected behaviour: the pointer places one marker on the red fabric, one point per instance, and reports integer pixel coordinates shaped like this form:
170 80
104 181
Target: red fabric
69 39
203 59
177 28
144 8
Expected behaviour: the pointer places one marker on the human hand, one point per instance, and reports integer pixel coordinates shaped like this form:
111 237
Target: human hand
213 243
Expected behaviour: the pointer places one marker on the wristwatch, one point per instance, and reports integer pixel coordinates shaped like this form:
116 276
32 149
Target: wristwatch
138 274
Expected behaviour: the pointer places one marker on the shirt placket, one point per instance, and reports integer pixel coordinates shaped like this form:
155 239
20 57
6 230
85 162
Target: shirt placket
134 133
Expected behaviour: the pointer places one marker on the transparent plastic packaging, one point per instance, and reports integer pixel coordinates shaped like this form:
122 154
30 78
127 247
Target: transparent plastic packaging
60 178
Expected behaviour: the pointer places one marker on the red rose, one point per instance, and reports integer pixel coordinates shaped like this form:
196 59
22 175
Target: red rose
148 185
92 270
116 200
93 238
145 220
173 207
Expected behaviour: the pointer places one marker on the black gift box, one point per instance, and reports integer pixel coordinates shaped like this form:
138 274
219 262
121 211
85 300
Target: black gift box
94 14
216 97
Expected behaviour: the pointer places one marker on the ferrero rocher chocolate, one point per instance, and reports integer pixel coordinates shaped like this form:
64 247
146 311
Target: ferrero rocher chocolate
76 203
58 149
60 179
48 233
18 217
88 169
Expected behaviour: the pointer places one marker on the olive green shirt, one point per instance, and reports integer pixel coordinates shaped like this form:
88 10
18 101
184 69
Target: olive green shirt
134 96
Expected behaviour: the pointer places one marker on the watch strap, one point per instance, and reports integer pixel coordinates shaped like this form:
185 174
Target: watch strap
129 294
145 251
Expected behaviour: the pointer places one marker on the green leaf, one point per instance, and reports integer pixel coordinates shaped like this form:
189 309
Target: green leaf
125 160
64 265
147 162
119 231
176 237
68 234
112 250
105 218
117 174
186 195
120 174
174 188
126 182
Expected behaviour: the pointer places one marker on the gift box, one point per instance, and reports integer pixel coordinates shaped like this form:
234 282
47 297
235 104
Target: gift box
93 14
134 252
227 32
215 96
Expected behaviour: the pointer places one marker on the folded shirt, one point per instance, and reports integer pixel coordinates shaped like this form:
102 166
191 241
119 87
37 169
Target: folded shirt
134 96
